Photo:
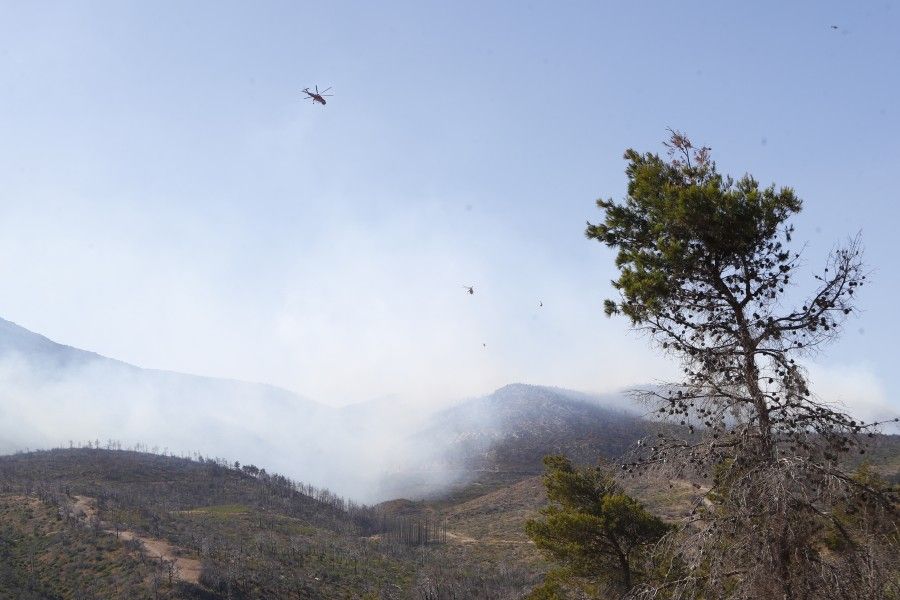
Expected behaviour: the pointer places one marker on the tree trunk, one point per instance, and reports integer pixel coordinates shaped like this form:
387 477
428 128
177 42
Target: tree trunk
626 571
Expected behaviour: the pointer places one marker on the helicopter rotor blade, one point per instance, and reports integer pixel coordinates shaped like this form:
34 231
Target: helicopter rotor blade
325 90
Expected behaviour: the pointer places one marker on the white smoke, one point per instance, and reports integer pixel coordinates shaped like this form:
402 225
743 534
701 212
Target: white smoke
106 400
857 390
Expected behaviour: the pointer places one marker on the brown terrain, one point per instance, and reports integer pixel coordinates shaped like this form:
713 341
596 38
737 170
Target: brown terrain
183 568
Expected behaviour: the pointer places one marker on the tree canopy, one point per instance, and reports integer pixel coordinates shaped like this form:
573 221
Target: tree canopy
591 526
705 268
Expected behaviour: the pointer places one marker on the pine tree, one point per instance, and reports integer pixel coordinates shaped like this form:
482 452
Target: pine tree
593 529
705 267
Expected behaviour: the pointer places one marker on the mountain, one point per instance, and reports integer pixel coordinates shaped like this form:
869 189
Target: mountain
51 393
385 448
40 352
516 426
503 437
463 479
40 355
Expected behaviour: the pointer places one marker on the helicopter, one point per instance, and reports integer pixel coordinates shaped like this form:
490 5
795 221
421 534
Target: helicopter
317 96
469 289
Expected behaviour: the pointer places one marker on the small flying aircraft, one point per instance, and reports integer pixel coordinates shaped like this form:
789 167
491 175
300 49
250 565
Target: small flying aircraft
317 96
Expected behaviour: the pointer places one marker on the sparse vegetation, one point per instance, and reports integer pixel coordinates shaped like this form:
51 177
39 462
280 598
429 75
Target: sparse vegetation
44 555
255 536
263 534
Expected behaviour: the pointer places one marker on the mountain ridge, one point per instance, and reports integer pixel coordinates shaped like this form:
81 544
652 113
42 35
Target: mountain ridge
51 393
77 355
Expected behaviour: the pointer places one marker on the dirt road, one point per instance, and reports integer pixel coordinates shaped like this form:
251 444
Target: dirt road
186 569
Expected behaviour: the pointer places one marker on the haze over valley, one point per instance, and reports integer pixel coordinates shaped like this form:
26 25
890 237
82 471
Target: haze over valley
449 301
55 394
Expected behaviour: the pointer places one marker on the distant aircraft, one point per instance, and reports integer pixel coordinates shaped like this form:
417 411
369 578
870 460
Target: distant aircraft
317 96
834 26
469 288
541 304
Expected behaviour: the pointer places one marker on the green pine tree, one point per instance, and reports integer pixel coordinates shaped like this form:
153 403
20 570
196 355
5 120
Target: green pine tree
592 528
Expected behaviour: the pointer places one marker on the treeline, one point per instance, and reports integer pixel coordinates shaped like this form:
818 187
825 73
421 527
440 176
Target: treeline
317 504
280 484
411 531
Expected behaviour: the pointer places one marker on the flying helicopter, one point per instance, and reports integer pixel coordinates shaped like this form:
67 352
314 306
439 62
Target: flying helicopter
317 96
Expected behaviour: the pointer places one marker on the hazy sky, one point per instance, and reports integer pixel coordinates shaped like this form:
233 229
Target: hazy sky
167 197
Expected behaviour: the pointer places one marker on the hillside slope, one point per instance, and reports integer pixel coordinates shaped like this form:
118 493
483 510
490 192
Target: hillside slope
502 438
41 556
250 535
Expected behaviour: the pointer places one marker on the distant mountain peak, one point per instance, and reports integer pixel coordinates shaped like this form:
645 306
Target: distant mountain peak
40 350
517 388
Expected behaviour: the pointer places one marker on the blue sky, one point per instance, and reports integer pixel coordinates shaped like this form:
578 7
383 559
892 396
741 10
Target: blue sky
168 198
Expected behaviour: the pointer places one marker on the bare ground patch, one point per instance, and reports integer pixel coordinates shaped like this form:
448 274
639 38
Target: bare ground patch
186 569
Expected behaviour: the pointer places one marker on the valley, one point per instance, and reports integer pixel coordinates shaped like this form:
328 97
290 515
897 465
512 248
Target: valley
100 519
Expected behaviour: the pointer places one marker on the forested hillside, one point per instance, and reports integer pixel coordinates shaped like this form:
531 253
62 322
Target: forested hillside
105 523
188 528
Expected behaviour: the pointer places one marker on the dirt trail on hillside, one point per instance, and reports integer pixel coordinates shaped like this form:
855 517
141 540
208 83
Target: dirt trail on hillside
84 506
186 569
